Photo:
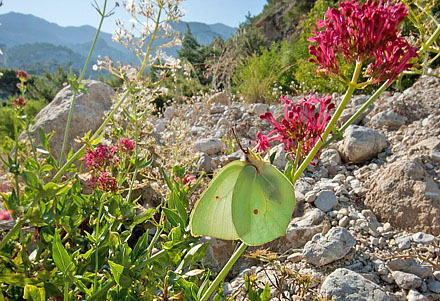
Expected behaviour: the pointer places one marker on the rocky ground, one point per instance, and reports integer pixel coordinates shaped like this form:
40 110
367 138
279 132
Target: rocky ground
368 216
367 221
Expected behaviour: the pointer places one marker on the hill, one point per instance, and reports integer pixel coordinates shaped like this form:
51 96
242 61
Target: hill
19 32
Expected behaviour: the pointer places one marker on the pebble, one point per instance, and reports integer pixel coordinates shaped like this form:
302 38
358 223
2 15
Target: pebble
434 286
406 280
423 238
326 200
343 222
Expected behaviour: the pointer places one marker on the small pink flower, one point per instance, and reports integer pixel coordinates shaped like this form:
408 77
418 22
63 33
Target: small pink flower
107 183
188 179
127 145
19 102
303 124
366 32
5 215
22 75
99 158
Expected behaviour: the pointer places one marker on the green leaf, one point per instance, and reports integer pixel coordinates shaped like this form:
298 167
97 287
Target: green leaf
52 189
117 270
173 217
43 139
265 295
34 293
146 215
167 179
31 179
60 255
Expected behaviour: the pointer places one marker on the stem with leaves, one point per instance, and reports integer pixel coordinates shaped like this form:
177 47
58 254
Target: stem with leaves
75 87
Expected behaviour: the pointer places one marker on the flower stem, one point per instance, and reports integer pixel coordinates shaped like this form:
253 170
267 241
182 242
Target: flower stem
95 281
75 91
360 111
224 272
11 233
295 164
331 124
66 290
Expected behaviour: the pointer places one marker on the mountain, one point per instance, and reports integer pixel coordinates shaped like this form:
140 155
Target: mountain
51 43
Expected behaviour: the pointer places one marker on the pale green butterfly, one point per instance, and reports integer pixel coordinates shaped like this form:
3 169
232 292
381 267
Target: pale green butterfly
248 200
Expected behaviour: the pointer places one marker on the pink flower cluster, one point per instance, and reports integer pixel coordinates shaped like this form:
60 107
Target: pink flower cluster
127 145
102 160
99 158
366 32
303 124
22 75
187 179
5 215
19 102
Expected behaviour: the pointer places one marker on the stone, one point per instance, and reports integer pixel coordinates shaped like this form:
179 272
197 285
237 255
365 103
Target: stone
409 265
347 285
210 146
218 253
414 295
204 163
88 114
434 286
170 113
331 157
326 200
387 119
437 275
343 222
219 98
300 230
403 243
397 195
361 144
295 257
280 156
406 280
223 122
324 249
423 238
259 108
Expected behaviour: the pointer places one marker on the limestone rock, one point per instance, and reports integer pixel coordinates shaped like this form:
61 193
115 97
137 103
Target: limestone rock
210 146
88 114
326 200
344 284
361 144
406 280
387 119
322 250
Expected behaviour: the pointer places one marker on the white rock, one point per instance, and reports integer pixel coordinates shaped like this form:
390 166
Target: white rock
361 144
406 280
326 200
88 113
170 113
210 146
259 108
423 238
322 250
344 284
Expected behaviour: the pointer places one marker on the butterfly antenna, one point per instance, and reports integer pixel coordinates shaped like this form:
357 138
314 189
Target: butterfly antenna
244 150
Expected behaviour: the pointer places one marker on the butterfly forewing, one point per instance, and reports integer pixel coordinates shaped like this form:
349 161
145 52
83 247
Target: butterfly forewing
212 214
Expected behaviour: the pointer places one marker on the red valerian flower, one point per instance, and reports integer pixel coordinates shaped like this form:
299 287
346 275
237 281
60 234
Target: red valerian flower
97 159
365 32
22 75
188 179
19 102
127 145
302 125
107 183
5 215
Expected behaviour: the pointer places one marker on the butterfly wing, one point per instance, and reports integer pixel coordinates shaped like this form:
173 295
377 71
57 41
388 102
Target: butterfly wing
262 204
212 215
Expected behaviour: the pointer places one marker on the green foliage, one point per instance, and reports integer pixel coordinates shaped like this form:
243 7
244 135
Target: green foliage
258 78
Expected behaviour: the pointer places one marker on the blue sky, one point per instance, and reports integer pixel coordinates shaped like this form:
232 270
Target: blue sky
80 12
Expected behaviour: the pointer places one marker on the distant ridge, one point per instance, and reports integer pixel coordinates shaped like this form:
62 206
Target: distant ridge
20 31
